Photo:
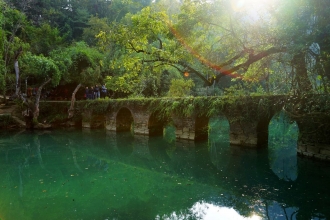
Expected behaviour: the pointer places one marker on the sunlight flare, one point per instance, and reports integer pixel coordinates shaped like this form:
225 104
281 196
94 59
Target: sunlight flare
252 7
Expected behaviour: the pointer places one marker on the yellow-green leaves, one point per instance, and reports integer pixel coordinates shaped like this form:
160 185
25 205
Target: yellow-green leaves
180 87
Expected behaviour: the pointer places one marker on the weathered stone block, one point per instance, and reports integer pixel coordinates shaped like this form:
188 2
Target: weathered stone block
178 132
192 135
86 125
302 148
325 152
313 149
243 140
320 156
308 154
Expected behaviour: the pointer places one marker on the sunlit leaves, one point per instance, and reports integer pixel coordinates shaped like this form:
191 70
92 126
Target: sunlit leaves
180 87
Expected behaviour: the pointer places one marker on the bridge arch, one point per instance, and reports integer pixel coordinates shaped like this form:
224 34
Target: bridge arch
263 131
201 127
156 124
124 120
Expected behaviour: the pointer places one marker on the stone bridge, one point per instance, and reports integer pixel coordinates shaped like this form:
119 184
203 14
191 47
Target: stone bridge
248 118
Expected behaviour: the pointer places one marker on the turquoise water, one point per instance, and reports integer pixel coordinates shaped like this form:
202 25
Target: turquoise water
95 174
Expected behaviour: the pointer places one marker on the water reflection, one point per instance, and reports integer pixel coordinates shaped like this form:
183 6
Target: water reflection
104 175
125 143
207 211
282 147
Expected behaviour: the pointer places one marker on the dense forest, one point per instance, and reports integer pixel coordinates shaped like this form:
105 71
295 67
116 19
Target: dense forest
144 48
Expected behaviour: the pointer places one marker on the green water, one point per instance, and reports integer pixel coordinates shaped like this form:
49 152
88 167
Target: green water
95 174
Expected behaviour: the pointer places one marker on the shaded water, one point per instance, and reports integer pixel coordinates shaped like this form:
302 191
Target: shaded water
94 174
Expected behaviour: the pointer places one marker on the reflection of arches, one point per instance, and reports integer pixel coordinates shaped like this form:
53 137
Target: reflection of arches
282 147
218 141
158 147
125 143
201 127
219 129
124 120
156 124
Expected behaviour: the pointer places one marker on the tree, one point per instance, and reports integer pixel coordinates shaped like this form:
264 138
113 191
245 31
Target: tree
304 27
81 65
148 41
212 39
144 45
42 68
43 39
12 28
95 25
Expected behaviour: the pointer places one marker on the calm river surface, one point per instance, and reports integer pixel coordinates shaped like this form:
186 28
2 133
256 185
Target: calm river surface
95 174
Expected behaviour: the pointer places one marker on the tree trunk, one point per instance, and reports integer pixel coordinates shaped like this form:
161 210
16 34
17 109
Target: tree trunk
17 89
16 67
36 104
4 95
304 84
73 100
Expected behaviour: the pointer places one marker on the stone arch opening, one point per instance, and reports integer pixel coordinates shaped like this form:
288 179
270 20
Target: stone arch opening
124 120
156 124
262 131
201 128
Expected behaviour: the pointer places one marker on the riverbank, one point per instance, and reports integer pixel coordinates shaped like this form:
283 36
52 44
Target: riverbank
10 116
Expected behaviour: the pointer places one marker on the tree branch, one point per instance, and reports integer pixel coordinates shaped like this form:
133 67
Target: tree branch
252 59
73 99
36 105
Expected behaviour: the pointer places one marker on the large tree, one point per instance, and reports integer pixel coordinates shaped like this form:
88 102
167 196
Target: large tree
81 65
13 23
217 39
46 71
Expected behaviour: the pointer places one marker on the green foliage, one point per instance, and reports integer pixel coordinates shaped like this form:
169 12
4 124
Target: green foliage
44 39
40 67
95 26
282 50
13 23
96 107
180 87
79 63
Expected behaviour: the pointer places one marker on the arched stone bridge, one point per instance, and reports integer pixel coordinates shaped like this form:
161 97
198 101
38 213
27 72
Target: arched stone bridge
248 118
